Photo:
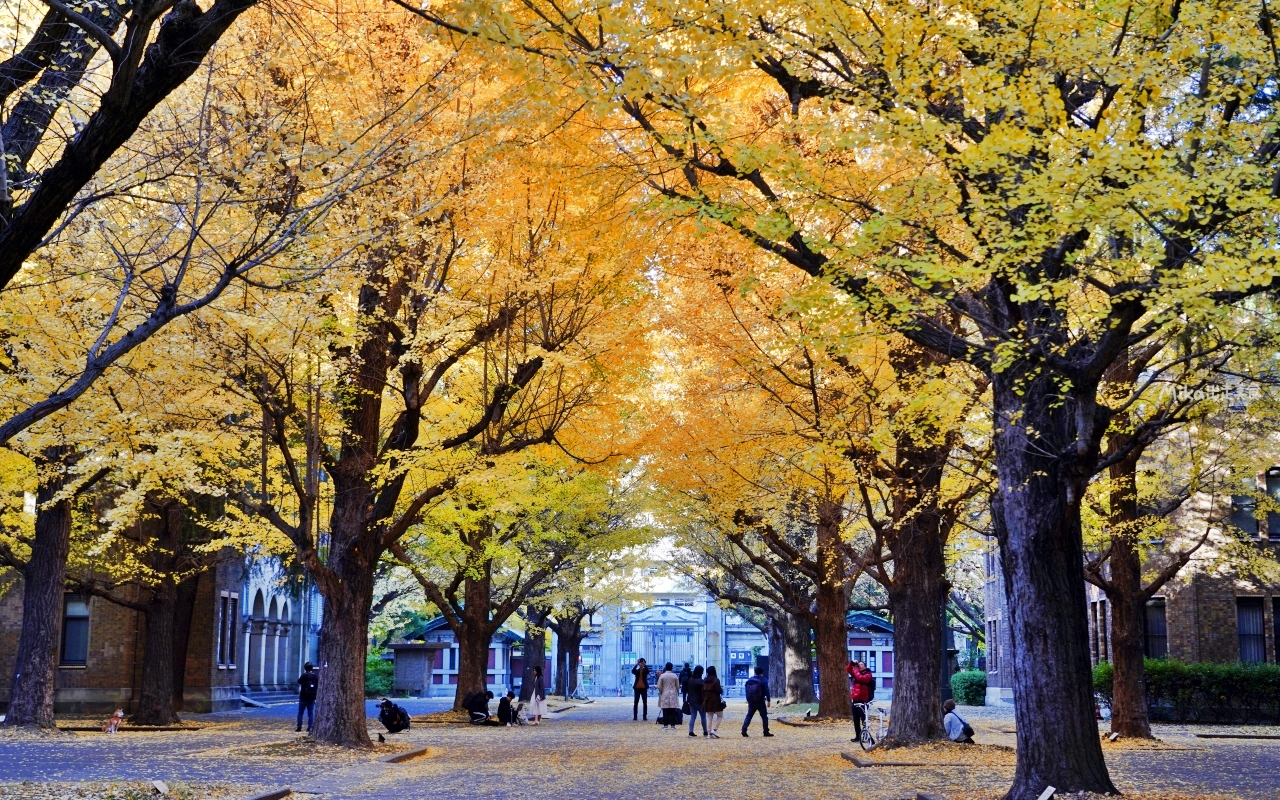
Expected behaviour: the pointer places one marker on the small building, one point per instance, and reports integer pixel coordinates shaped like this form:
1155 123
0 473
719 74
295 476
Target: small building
506 658
871 642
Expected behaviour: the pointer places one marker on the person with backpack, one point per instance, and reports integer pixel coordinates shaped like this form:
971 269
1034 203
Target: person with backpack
641 688
758 700
957 729
713 701
686 675
862 691
392 716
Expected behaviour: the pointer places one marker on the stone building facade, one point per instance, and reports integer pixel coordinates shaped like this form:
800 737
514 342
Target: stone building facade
245 636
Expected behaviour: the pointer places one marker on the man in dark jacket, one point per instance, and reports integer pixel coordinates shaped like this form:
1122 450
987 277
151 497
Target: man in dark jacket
641 688
394 717
757 689
507 710
685 675
477 705
307 684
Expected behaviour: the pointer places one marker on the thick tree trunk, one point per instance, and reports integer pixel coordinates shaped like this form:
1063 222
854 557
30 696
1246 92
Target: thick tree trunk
797 658
833 607
155 700
1129 714
34 673
1043 461
535 649
777 653
917 595
344 634
568 655
182 617
473 661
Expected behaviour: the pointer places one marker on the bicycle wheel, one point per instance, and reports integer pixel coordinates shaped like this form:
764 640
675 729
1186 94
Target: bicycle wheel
866 740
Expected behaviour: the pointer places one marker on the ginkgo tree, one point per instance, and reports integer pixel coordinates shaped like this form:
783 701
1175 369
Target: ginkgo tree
1035 192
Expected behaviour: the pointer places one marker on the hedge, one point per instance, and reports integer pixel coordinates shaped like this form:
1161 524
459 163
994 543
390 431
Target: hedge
969 687
378 674
1178 691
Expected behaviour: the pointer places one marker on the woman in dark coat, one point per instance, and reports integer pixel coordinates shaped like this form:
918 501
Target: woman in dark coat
694 697
712 701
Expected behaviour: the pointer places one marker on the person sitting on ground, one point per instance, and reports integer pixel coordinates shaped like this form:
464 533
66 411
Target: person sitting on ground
957 729
477 705
394 717
506 711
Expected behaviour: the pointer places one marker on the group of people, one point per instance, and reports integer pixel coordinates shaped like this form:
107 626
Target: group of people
699 694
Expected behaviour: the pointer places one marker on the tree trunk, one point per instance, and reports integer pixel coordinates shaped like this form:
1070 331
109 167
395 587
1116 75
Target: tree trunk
833 608
535 648
473 661
777 652
797 658
1129 715
917 596
35 671
344 634
1043 462
182 617
155 701
568 646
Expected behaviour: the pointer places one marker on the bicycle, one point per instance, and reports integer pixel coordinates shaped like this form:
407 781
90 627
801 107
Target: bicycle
867 740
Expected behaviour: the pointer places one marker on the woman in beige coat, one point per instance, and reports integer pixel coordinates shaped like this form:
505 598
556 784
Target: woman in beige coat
669 697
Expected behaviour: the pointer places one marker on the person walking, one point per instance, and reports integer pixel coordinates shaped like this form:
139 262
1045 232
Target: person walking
641 688
694 698
538 699
861 690
669 697
307 683
758 700
713 701
685 674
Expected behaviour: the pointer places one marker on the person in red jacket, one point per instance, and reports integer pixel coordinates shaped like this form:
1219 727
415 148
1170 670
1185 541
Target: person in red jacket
860 692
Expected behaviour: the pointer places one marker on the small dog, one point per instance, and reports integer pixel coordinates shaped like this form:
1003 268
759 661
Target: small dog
113 724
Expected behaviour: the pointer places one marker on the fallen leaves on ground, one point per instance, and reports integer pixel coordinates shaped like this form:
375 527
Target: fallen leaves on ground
121 790
1125 743
441 717
1128 795
978 755
304 747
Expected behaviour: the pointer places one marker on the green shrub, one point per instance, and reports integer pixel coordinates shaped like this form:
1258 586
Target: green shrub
969 687
378 674
1178 691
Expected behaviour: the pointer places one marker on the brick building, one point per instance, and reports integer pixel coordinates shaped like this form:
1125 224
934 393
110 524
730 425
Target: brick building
1209 612
246 636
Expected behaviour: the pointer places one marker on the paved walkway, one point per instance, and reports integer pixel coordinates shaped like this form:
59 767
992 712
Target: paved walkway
598 752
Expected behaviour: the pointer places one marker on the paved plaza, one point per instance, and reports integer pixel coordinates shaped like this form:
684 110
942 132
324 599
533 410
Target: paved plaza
597 751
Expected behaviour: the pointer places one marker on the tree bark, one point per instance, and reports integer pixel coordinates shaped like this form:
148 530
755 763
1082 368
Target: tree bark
797 658
1129 714
344 630
43 579
1044 460
535 648
777 652
185 611
917 596
833 607
568 645
155 699
473 661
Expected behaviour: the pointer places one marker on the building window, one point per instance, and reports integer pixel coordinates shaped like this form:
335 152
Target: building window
1156 630
228 616
1244 514
75 630
993 645
1253 642
1273 491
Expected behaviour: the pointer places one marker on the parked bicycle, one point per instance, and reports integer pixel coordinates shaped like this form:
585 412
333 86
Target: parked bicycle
868 739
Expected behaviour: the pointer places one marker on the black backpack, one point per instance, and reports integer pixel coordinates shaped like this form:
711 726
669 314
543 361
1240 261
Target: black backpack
755 691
